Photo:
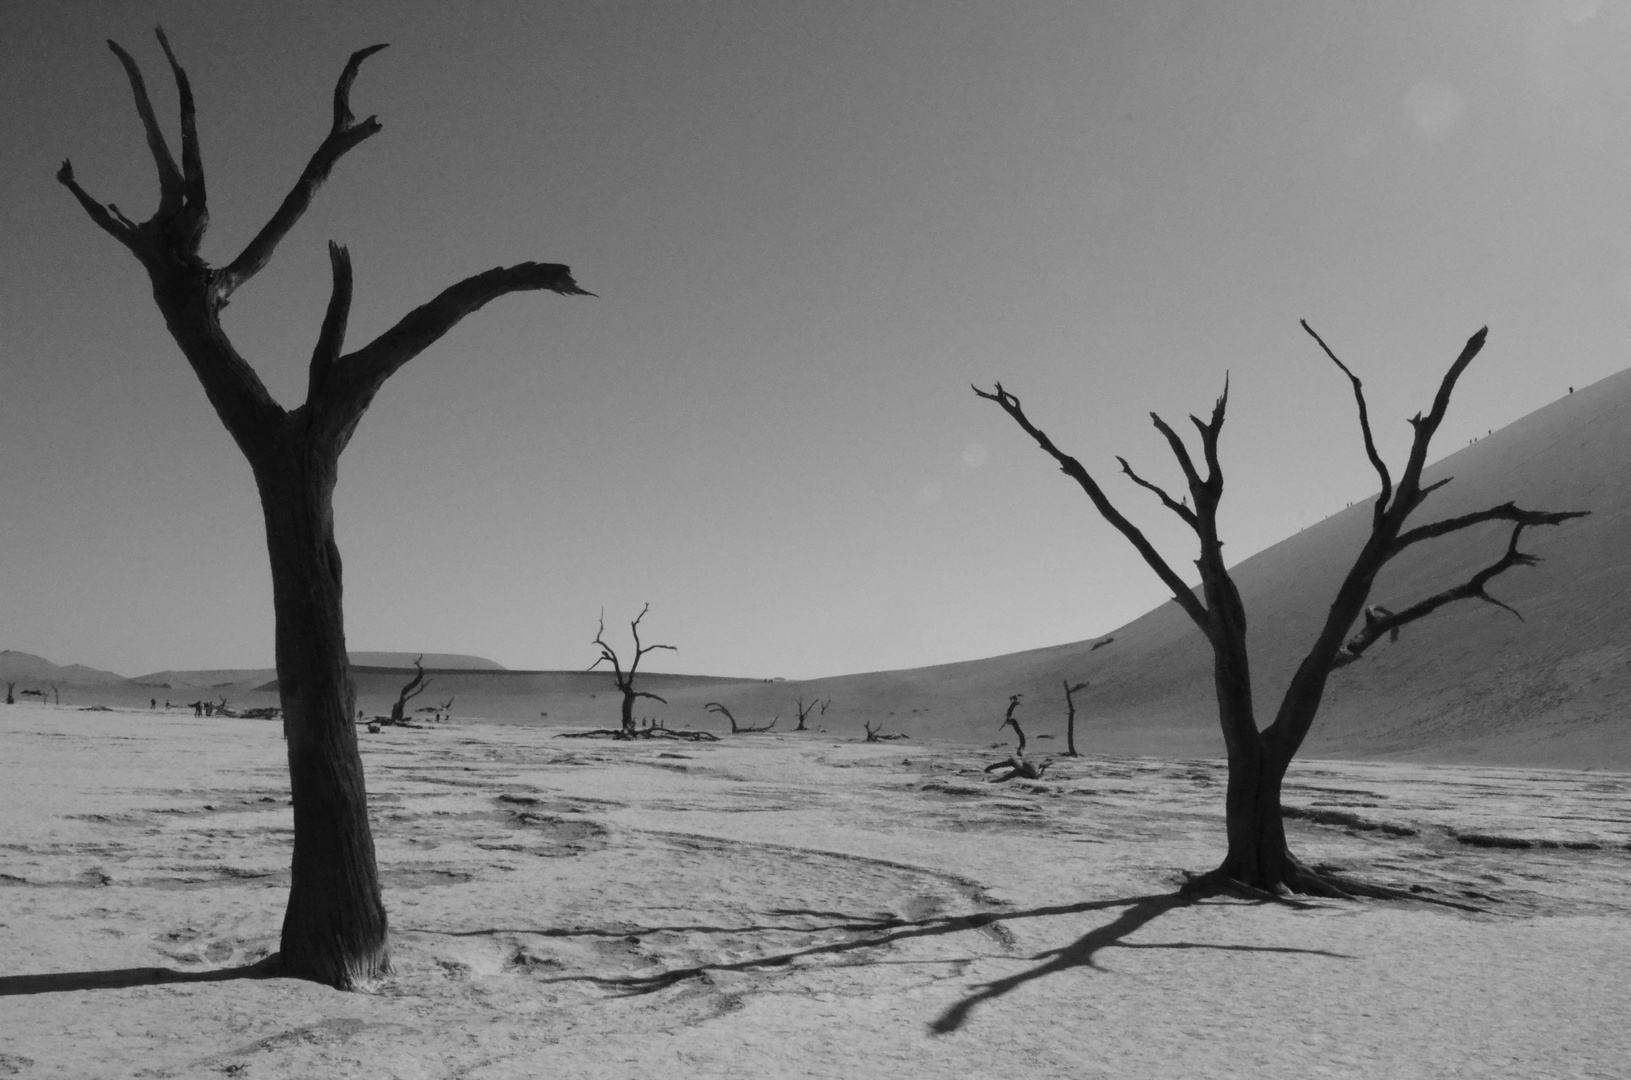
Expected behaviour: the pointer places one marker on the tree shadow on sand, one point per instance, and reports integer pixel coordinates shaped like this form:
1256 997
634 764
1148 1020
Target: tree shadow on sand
1140 910
1080 953
124 978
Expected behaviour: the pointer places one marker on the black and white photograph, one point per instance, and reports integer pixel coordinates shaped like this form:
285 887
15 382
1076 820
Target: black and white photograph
901 539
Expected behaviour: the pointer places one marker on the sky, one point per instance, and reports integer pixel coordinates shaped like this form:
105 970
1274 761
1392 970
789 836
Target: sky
810 227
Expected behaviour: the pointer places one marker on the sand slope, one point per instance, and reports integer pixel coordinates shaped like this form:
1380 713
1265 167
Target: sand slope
1470 683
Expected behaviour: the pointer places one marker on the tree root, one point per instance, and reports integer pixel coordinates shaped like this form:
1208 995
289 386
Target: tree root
1302 880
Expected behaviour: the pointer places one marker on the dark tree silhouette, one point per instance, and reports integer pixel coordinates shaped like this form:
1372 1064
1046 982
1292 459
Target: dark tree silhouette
737 729
1070 716
1008 720
334 929
414 687
625 680
10 686
804 711
1258 857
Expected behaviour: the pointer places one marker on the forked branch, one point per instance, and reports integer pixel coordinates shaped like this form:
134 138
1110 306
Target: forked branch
331 338
1505 512
356 377
170 186
1380 621
345 133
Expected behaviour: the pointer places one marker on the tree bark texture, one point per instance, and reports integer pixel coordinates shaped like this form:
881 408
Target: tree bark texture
334 929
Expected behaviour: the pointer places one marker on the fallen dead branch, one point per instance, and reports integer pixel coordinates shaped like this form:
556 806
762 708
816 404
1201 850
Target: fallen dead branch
655 731
736 728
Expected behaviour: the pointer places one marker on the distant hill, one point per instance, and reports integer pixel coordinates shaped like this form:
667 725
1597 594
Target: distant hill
32 671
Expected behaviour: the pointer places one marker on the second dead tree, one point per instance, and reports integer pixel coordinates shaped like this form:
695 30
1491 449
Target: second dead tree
1258 860
625 680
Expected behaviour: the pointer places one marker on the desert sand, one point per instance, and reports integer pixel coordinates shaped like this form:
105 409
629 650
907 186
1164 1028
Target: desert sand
795 905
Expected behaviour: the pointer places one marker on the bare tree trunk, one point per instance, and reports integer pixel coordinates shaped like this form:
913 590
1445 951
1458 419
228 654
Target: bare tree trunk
628 710
334 928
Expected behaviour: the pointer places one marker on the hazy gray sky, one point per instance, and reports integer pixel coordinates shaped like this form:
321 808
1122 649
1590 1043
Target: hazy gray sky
810 226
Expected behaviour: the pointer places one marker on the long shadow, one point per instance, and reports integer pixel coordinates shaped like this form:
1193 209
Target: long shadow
1081 953
123 978
874 935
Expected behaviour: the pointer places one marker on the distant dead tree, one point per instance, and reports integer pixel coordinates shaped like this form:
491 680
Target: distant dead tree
805 710
625 681
414 687
738 729
1016 766
334 928
1070 717
876 733
1258 858
1008 720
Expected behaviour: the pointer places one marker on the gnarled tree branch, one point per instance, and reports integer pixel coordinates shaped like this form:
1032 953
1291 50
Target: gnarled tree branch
1380 621
356 377
1182 593
192 164
345 134
1507 511
170 185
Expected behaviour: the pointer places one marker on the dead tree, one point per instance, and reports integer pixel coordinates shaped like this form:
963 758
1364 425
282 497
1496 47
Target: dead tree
738 729
1070 715
877 734
804 711
10 686
1009 721
625 681
1017 767
334 929
415 686
1258 857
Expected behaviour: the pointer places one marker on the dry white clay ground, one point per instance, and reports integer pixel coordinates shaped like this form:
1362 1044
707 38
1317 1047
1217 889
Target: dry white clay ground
788 905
